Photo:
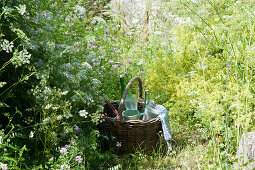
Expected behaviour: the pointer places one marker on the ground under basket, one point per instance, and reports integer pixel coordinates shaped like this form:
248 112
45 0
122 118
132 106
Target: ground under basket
132 135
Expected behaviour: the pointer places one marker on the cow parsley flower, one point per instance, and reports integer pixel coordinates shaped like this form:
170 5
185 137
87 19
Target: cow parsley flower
7 10
31 135
7 46
83 113
64 166
79 10
47 120
3 166
21 57
59 117
22 9
64 92
48 106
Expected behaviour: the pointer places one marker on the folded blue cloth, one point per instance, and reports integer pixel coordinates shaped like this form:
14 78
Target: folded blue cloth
165 125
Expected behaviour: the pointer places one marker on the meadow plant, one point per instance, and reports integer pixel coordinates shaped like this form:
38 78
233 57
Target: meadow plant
208 71
14 71
60 72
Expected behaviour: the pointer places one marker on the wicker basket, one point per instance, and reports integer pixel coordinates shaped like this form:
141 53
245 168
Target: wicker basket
132 135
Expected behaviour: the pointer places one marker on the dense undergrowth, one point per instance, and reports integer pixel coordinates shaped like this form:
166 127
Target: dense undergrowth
60 60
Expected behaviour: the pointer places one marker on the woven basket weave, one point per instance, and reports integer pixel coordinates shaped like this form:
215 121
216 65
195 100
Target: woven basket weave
132 135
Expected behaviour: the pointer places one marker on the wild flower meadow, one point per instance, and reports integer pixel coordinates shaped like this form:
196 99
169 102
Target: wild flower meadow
60 61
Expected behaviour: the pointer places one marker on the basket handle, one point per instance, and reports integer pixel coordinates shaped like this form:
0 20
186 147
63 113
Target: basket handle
140 97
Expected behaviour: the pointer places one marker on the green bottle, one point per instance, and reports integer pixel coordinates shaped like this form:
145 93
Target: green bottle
123 85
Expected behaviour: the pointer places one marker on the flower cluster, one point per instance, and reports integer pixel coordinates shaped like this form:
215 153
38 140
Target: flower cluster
7 45
21 9
21 57
83 113
31 135
3 166
76 128
63 150
78 159
65 166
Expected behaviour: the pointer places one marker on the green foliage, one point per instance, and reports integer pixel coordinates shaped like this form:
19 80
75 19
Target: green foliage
60 60
51 48
14 74
208 73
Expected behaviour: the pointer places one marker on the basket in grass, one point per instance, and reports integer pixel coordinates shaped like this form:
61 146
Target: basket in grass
129 136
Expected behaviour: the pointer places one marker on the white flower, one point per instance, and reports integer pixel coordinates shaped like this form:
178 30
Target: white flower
55 108
118 144
48 106
59 117
1 140
64 166
22 9
83 113
115 167
7 46
3 166
191 73
192 93
79 10
47 120
2 85
7 10
31 135
64 93
51 159
21 57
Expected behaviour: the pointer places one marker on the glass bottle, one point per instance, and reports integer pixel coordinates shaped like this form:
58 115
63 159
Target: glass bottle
146 104
147 99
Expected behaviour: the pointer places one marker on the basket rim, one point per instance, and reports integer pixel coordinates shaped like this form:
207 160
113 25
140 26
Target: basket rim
132 121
